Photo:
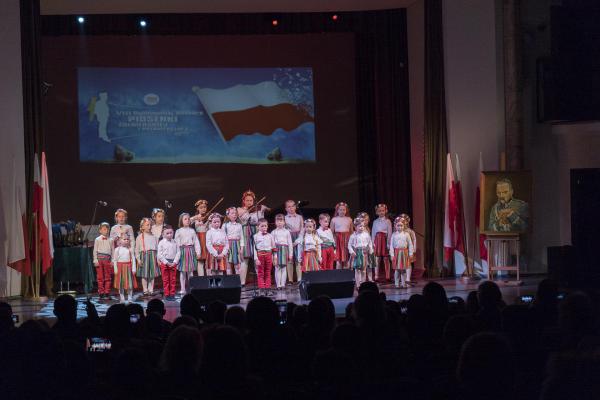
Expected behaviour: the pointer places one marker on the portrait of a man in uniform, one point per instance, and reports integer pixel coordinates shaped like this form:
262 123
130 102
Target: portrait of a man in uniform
506 206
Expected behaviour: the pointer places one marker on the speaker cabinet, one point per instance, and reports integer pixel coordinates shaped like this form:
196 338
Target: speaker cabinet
207 289
337 284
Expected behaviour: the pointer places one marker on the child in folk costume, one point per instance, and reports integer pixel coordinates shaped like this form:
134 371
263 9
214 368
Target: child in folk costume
381 235
327 242
168 259
158 222
200 223
233 230
217 246
413 237
401 251
285 249
341 226
146 245
121 227
264 247
249 215
103 248
309 247
372 264
360 248
294 223
124 268
190 251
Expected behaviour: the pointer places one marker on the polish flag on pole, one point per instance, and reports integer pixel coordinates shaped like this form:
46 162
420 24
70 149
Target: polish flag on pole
17 255
41 206
449 216
483 254
461 263
248 109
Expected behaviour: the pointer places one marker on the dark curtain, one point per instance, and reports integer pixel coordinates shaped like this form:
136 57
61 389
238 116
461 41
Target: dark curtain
36 284
383 148
436 139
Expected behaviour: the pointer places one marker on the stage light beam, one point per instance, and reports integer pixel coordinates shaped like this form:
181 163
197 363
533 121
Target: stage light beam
81 20
334 17
275 22
143 23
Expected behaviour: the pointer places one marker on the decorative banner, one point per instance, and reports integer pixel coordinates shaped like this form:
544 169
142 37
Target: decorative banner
196 115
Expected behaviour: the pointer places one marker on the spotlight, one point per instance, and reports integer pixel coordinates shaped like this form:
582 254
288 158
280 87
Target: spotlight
143 23
334 17
81 20
274 22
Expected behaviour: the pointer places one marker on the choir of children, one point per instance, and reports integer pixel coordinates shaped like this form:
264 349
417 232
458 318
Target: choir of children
205 244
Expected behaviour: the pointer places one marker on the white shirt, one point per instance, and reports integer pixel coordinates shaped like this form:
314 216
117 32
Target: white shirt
263 243
157 231
341 224
186 236
102 245
413 237
308 242
168 250
251 218
382 225
326 236
360 240
119 230
201 226
216 237
283 237
294 223
145 242
401 240
233 230
123 254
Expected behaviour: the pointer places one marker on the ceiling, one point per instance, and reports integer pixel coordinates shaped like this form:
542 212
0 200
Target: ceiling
62 7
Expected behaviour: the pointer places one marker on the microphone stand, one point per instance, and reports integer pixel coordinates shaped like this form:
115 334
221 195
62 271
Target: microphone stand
91 223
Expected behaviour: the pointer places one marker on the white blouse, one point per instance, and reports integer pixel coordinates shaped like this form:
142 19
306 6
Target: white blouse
283 237
294 223
401 240
251 218
168 250
382 225
360 240
119 230
123 254
341 224
233 230
309 242
157 231
186 236
145 241
216 237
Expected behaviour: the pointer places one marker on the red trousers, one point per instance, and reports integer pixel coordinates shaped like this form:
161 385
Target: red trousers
327 257
169 278
263 271
104 275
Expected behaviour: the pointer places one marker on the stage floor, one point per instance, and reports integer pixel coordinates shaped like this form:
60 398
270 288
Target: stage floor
30 309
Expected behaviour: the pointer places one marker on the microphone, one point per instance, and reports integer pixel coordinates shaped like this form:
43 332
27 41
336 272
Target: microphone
102 203
168 204
301 203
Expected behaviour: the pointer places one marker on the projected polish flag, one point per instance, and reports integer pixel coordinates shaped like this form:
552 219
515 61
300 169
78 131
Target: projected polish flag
247 109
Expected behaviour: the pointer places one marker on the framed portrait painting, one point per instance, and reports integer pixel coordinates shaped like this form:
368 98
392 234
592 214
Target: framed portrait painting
505 204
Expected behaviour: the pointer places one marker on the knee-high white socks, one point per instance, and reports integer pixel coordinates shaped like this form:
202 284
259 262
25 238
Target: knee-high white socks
408 271
399 276
359 277
243 271
290 271
122 295
200 268
148 285
183 278
280 276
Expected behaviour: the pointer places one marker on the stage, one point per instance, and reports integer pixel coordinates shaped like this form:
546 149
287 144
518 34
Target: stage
30 309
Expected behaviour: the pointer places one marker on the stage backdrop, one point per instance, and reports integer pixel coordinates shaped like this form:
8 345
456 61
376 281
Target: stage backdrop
136 120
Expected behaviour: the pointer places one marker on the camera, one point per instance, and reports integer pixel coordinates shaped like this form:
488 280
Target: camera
98 345
282 307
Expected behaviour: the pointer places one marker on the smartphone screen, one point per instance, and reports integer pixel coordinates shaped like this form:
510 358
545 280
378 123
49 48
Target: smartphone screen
526 298
134 318
282 307
98 345
15 318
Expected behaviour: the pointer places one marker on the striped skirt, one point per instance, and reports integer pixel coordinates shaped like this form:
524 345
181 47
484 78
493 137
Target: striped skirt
202 240
218 264
235 252
310 261
381 249
361 258
296 251
187 261
282 255
124 278
148 267
401 259
341 246
248 232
